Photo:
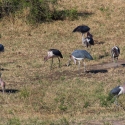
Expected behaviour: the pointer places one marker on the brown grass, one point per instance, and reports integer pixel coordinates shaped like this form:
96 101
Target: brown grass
62 96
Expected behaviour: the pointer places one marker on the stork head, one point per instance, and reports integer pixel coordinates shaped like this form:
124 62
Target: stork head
89 34
46 58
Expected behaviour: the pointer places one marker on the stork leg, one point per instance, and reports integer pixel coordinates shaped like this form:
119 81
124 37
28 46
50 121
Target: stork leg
90 48
51 64
116 100
83 39
79 66
59 62
84 66
3 90
115 60
74 61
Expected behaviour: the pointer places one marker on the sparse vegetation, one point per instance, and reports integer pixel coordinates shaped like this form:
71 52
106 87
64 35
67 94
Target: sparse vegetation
36 95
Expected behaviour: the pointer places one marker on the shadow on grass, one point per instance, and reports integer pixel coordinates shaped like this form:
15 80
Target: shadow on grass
96 42
97 71
10 91
3 69
71 14
84 14
123 65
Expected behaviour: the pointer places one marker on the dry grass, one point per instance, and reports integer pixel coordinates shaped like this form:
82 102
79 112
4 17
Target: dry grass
62 96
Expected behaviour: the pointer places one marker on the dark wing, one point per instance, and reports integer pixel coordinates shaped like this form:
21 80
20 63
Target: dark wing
56 52
1 48
118 50
115 91
82 29
87 55
91 41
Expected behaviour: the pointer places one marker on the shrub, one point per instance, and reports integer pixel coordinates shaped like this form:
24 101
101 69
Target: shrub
39 10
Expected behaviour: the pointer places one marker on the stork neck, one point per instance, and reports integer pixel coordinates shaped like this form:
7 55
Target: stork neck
83 38
123 88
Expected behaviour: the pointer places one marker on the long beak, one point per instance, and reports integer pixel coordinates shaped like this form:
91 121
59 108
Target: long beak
45 58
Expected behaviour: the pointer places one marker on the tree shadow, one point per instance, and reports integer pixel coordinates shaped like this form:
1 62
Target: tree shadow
71 14
10 91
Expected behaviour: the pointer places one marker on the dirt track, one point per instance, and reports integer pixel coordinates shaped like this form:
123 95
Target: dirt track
91 69
107 65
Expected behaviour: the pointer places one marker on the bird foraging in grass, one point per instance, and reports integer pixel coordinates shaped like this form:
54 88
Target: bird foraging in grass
79 55
52 53
87 41
115 51
116 92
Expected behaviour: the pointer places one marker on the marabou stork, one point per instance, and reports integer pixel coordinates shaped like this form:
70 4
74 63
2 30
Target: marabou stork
2 83
117 91
1 48
79 55
51 54
88 41
115 51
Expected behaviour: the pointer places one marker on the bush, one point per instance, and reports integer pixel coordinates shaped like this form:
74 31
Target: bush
39 10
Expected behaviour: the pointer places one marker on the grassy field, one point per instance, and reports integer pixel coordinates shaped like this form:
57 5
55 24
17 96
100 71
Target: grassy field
36 95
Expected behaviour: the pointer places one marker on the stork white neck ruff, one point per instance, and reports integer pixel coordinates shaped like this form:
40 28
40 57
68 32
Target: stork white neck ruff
115 47
79 59
50 54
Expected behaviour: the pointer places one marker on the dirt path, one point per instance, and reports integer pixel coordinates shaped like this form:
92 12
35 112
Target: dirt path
99 68
107 65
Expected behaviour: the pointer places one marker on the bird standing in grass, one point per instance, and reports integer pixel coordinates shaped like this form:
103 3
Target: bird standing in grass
117 91
51 54
2 83
1 48
79 55
115 51
88 41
